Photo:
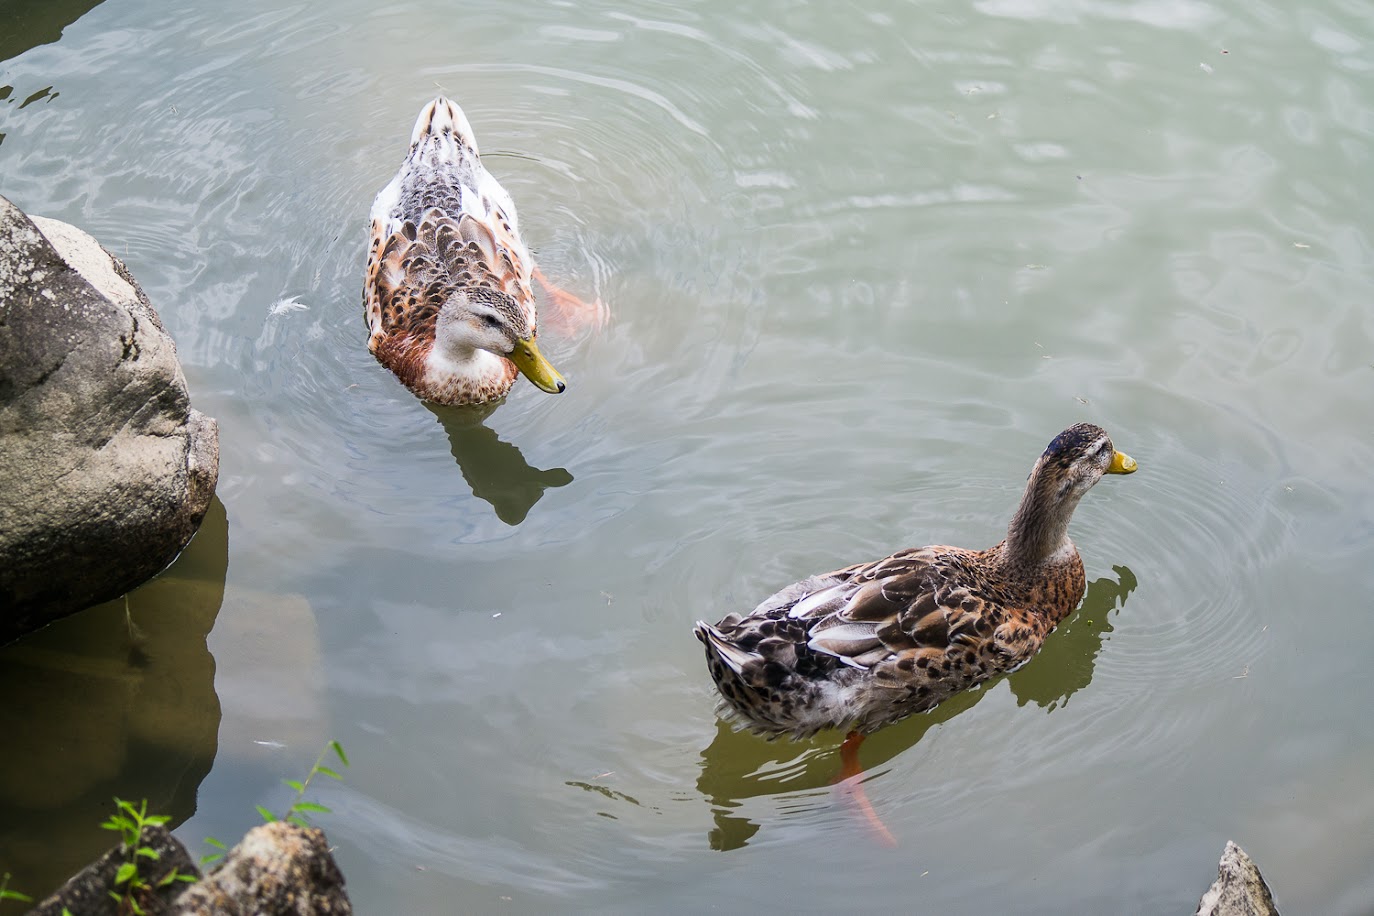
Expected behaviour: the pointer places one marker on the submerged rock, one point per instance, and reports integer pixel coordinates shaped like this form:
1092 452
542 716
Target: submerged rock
1239 889
105 468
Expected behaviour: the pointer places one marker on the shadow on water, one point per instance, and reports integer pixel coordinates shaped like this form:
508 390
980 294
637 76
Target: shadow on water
118 700
26 24
495 470
1065 664
738 766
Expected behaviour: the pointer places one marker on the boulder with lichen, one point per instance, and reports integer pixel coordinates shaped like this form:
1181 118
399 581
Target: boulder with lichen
105 467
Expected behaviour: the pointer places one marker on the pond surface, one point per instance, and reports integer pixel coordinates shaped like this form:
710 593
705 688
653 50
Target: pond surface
863 263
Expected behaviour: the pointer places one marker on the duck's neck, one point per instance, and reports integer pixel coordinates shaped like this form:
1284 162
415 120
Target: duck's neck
454 359
1039 531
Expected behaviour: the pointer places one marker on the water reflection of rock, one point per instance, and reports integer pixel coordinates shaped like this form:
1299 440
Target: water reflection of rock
737 766
496 470
116 700
26 24
30 23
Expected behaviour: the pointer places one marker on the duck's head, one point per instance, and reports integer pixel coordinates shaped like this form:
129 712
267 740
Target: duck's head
1074 461
488 319
1077 458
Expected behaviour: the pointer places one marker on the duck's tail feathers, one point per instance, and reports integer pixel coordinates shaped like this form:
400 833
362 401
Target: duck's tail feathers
443 122
723 649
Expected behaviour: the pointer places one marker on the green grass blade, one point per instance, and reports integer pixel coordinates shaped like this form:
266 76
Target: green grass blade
311 806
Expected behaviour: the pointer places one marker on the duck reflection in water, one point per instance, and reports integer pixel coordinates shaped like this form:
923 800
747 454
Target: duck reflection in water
495 469
737 766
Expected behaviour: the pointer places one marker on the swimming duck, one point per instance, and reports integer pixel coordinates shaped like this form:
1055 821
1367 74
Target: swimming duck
867 645
448 295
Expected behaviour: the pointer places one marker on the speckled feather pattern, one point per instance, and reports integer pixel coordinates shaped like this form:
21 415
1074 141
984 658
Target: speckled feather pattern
876 642
442 224
867 645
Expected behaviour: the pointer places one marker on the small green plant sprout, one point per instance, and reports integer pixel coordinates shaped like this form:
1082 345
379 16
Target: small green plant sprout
299 806
132 890
212 857
7 894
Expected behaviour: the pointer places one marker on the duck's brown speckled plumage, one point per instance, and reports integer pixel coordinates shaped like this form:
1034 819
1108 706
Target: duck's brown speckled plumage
443 225
869 644
417 269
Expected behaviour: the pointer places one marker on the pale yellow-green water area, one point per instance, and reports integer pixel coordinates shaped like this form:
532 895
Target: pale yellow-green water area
863 262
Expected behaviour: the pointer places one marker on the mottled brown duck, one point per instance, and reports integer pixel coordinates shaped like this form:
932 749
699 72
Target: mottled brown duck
448 298
867 645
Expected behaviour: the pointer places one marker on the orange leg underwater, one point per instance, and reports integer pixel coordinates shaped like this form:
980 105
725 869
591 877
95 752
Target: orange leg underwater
571 314
851 781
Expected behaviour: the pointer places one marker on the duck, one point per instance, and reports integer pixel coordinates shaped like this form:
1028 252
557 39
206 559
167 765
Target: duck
448 296
870 644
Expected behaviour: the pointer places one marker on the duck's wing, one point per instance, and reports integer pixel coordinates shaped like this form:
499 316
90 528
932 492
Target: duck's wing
407 284
917 622
413 271
880 610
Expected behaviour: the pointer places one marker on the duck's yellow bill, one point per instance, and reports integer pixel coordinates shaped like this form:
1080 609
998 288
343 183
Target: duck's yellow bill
535 367
1122 463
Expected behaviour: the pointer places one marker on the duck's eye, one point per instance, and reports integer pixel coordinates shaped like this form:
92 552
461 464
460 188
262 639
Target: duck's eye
491 320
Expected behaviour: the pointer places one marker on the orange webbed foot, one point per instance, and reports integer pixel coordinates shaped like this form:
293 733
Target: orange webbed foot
850 781
569 313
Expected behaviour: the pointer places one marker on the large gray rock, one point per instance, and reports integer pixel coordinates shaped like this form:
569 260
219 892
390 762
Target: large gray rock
105 470
1239 889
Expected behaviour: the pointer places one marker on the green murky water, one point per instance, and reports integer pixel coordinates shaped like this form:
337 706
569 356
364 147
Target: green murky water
863 263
